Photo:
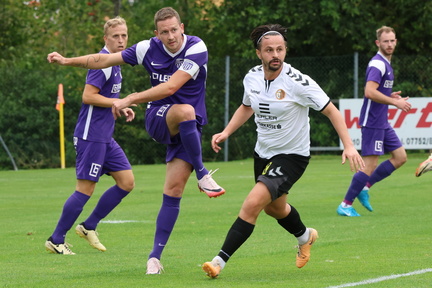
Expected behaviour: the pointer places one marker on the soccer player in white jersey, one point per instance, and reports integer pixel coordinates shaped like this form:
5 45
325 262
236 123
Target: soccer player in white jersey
176 112
279 96
97 153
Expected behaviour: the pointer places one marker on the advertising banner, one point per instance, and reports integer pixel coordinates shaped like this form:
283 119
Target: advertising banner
414 128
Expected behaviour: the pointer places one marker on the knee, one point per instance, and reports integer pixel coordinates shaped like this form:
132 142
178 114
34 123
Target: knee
174 192
399 161
270 211
127 185
130 186
402 161
188 112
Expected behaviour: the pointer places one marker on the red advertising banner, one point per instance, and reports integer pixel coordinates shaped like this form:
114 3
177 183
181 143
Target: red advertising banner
414 128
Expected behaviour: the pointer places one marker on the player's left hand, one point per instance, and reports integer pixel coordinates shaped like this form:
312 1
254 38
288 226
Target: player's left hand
119 105
128 113
396 94
355 160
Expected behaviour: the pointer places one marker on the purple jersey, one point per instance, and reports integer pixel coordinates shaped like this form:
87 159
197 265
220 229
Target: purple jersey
97 123
162 64
373 114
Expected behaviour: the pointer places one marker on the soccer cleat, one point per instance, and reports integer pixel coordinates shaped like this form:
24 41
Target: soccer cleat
424 167
363 197
207 185
212 269
154 266
303 253
62 248
91 236
347 211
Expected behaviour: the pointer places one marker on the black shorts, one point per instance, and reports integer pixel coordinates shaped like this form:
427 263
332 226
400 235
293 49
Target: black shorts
280 172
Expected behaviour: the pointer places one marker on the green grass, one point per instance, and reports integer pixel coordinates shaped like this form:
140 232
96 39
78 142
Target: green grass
394 239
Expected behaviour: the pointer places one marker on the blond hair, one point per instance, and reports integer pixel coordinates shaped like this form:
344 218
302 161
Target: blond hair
113 23
384 29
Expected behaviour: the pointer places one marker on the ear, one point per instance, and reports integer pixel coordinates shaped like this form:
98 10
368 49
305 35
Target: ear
377 43
156 33
258 53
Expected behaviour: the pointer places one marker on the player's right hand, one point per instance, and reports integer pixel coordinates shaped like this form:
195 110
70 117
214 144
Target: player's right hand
55 57
216 139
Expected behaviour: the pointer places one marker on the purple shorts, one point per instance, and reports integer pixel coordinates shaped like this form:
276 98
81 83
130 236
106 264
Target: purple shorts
379 141
157 128
93 159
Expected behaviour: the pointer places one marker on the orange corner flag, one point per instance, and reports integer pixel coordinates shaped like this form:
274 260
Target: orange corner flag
60 98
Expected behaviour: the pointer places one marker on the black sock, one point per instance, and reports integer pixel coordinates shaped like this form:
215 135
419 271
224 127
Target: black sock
237 235
292 223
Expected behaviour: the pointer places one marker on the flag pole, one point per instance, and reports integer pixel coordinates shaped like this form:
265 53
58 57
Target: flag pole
59 107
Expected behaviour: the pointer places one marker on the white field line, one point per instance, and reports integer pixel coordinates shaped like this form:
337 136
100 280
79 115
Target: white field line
125 221
383 278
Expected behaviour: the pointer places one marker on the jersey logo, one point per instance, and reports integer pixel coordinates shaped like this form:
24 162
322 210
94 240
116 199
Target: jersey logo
178 63
116 88
266 168
94 170
388 84
378 146
298 78
264 108
276 172
162 110
155 64
280 94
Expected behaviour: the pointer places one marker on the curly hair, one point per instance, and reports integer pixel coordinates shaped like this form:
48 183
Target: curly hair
269 29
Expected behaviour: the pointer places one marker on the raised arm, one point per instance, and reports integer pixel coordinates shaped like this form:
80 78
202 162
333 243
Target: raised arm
163 90
91 61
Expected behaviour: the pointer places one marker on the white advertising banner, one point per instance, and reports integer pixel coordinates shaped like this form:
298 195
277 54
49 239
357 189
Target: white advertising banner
414 128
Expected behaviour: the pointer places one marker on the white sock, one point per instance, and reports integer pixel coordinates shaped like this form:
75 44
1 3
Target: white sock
344 205
220 261
303 239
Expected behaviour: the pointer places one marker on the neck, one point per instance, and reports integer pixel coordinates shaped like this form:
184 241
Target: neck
271 75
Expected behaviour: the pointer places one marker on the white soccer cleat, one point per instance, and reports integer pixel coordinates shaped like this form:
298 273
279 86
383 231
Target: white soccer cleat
62 248
207 185
424 167
91 236
154 266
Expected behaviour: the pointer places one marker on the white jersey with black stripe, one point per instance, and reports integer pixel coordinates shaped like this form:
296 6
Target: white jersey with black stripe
281 108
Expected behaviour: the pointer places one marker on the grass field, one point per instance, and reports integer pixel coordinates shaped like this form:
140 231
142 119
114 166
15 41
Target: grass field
390 247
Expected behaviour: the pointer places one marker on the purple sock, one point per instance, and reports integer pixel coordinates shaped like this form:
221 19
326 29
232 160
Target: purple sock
108 201
192 143
382 171
358 181
71 210
165 224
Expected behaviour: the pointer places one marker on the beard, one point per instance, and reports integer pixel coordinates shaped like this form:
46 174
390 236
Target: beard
275 66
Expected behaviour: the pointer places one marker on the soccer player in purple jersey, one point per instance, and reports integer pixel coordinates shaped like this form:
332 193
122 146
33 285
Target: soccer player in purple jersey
176 113
97 153
378 137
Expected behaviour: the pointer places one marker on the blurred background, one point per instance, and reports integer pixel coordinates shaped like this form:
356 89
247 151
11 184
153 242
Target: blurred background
330 40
